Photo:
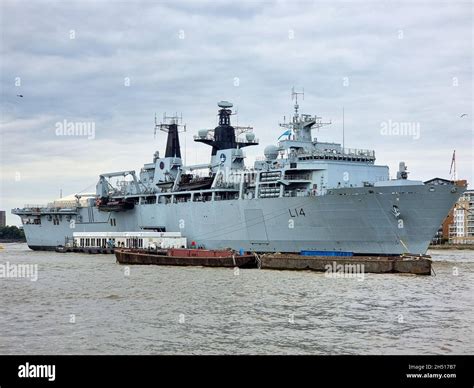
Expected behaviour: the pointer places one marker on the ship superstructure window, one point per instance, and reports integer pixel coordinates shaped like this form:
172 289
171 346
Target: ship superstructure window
88 241
113 222
93 242
82 242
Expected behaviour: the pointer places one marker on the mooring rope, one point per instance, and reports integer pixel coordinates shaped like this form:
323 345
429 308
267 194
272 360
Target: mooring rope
257 259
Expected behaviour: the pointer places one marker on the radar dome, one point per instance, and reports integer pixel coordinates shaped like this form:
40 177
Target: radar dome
250 136
202 133
271 152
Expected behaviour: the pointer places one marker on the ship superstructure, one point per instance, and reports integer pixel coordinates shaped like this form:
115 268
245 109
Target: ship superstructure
303 194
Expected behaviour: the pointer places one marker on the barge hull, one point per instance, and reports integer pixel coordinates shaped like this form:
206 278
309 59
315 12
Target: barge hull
131 258
417 265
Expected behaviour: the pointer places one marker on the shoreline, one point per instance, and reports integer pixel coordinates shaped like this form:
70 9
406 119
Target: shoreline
453 247
441 246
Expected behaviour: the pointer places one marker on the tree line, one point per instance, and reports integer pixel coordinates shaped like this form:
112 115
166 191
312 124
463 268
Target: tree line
12 233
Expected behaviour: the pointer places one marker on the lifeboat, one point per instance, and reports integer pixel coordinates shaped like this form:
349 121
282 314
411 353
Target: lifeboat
114 205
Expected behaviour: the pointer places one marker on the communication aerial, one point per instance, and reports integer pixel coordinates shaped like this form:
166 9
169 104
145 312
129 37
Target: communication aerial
294 96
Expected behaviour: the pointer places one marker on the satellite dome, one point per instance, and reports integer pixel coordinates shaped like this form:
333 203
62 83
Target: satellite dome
202 133
271 152
250 136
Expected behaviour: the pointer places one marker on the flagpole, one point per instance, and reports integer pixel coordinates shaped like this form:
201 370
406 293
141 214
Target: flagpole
455 172
342 129
452 169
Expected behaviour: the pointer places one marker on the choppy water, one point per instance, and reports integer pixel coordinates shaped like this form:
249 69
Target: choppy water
179 310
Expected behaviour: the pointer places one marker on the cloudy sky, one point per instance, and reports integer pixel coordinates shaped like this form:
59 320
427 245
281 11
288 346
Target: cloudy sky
116 64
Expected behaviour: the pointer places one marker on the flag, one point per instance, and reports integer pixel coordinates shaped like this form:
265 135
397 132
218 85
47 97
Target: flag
286 133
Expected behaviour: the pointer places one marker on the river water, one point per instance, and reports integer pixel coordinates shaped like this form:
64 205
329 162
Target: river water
89 304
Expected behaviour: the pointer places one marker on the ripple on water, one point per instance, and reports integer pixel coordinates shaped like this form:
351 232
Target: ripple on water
173 310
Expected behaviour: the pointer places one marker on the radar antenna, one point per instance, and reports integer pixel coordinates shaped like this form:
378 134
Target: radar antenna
168 121
172 125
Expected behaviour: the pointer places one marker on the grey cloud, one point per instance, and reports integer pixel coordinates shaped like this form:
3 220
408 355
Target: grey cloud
409 79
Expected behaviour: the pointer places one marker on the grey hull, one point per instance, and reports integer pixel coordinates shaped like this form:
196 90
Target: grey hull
359 220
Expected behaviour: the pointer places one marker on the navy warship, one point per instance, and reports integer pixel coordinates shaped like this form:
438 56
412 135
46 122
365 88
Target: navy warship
302 194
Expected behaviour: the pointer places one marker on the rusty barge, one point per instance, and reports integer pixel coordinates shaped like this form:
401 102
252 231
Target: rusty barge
403 264
187 257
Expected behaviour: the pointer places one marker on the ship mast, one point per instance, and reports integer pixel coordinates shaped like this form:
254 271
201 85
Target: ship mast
302 124
294 96
224 136
171 125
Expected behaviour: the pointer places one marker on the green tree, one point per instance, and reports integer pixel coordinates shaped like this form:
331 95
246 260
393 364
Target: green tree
12 233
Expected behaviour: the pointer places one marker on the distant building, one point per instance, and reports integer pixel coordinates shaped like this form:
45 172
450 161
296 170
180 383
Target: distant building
458 226
461 229
3 218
